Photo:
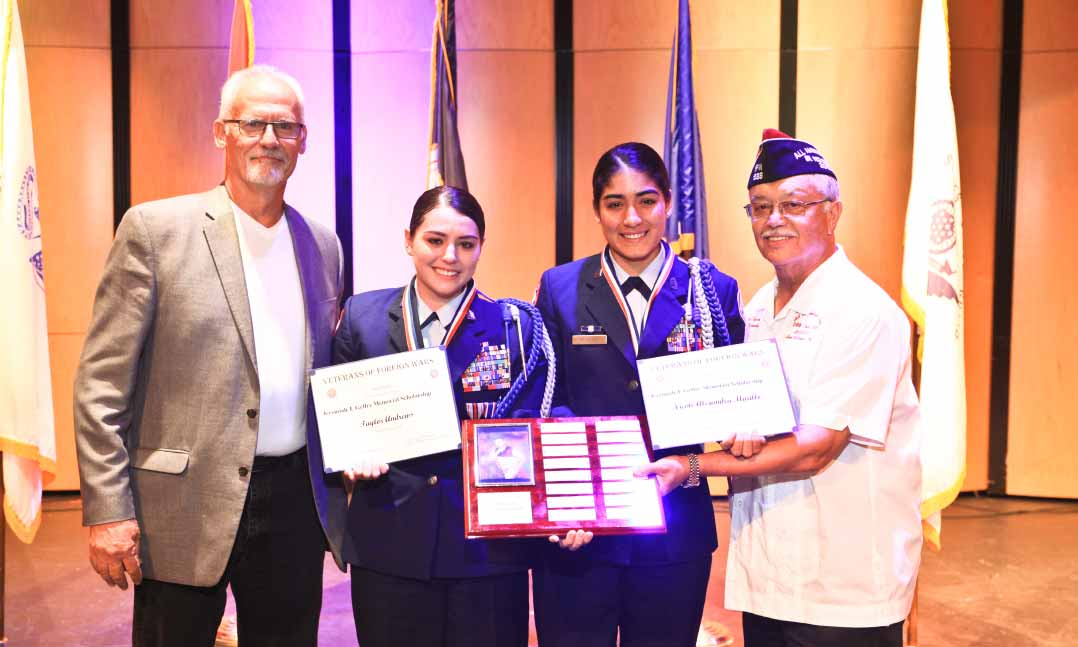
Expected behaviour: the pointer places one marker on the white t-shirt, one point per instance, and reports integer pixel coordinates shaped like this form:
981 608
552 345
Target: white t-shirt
278 316
842 547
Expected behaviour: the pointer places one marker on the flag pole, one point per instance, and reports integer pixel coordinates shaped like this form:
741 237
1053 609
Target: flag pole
912 637
912 633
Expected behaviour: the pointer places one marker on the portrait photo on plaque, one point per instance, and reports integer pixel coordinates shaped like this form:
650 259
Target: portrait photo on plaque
503 455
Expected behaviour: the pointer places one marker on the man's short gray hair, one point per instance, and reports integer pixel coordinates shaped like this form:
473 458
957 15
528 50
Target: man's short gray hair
231 88
826 185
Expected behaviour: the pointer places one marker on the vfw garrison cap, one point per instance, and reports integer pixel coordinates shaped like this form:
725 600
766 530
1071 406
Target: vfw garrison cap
781 156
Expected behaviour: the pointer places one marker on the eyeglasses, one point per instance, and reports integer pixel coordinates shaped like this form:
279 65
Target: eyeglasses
761 210
257 127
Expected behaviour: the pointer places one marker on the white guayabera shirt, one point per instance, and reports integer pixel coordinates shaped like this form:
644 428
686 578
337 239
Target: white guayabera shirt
841 547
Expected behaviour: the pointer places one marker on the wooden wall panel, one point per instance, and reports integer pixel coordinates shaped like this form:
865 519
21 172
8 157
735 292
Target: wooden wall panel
624 25
736 98
736 25
174 100
298 38
868 75
70 99
1048 25
284 26
189 24
68 66
1044 359
390 96
736 70
976 24
399 26
857 25
856 76
976 39
619 96
621 65
855 92
311 189
622 69
390 113
178 63
65 23
506 84
506 121
505 25
64 352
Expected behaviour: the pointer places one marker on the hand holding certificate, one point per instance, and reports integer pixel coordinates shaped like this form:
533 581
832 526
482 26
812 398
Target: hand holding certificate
711 395
385 409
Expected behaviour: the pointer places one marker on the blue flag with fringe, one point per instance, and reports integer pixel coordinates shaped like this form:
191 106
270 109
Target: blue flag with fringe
445 162
686 226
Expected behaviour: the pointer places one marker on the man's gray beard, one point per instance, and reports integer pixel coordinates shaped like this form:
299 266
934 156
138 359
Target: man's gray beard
270 176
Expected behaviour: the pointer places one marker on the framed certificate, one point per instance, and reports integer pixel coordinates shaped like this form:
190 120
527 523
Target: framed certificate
542 476
710 395
387 408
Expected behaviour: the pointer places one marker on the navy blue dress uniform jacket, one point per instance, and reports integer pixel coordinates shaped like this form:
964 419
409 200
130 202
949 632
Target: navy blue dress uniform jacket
595 380
410 522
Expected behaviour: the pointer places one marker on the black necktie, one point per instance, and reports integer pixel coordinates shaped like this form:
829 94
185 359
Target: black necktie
636 283
429 320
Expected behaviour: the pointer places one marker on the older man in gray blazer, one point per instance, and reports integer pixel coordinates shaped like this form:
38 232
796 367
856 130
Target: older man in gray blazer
200 463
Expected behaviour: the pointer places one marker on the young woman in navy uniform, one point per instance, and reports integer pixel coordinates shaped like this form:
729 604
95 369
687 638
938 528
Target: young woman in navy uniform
636 299
416 580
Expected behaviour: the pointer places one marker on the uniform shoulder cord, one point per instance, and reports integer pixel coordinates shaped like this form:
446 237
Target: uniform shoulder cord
540 344
703 304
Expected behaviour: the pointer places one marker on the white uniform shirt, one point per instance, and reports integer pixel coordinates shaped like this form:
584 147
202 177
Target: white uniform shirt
434 332
650 276
278 316
841 547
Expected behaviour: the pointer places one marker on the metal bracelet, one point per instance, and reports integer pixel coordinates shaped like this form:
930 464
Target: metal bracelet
694 472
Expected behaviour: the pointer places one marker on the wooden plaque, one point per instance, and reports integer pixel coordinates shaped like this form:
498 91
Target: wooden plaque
541 476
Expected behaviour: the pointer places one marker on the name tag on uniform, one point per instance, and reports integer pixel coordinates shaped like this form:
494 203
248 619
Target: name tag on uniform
589 340
590 336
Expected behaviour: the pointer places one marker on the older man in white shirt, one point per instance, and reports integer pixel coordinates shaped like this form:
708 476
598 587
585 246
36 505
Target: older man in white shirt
825 533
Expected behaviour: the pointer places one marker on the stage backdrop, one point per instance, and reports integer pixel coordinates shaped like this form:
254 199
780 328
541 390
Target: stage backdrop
856 66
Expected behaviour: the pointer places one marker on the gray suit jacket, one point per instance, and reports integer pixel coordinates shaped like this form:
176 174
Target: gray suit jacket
168 376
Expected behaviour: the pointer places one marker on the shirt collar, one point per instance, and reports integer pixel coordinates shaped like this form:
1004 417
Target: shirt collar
809 285
445 313
247 221
649 275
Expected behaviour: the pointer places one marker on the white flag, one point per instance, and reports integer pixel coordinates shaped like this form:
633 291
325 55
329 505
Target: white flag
27 439
932 273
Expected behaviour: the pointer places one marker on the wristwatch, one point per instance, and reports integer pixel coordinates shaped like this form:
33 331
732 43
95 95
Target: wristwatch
694 472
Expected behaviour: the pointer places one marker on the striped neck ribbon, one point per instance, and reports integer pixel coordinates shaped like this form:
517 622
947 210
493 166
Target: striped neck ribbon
623 302
410 309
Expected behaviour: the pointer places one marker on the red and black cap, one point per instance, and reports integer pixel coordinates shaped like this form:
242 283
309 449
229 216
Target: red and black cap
781 156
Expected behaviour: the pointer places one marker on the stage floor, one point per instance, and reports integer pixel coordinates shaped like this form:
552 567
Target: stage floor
1008 576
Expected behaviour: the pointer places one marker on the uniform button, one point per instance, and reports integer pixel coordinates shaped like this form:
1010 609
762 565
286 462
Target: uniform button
243 471
432 481
251 413
633 385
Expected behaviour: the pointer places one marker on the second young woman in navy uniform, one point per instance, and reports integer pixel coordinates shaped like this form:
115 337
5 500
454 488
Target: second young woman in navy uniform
416 580
603 313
